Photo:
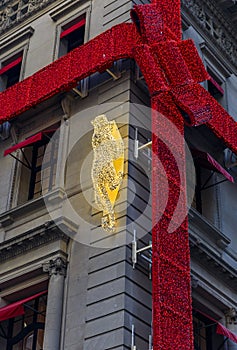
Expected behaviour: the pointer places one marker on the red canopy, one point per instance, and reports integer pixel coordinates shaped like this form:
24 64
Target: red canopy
28 142
217 86
10 65
220 329
17 308
206 160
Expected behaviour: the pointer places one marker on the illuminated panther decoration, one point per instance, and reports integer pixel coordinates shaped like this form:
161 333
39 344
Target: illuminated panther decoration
107 168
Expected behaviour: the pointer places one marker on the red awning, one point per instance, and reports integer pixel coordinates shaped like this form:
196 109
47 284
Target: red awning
220 329
10 65
206 160
28 142
17 308
217 86
73 28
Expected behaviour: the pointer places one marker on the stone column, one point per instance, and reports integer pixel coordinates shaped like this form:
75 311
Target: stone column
231 324
57 271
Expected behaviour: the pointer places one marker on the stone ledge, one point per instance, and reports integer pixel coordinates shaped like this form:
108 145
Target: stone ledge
198 223
30 240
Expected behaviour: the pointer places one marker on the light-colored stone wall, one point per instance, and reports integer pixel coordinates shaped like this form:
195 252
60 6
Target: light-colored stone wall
103 295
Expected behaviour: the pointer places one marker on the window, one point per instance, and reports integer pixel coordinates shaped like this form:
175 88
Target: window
215 87
219 72
25 332
13 53
202 329
72 35
10 71
47 151
206 166
38 162
209 334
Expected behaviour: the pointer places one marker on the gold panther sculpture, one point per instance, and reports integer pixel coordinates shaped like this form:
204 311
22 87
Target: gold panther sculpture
107 168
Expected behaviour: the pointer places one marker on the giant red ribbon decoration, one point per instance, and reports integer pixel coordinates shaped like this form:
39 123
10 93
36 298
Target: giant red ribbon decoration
173 70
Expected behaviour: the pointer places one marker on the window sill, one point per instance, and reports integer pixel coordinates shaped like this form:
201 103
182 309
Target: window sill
10 216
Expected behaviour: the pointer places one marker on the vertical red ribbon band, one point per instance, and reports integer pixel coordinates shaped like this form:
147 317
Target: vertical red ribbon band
171 293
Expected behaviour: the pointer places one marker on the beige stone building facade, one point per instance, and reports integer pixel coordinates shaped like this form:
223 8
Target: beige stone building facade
65 284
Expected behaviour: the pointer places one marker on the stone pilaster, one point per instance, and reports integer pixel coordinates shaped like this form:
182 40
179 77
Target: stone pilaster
231 324
57 272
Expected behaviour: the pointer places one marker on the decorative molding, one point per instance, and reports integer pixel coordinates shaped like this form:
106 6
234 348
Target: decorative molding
213 23
13 12
6 220
208 257
67 7
30 240
231 316
10 216
14 39
55 267
212 56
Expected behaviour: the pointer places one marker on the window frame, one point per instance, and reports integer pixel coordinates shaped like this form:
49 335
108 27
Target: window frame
22 191
4 77
36 169
64 39
63 20
12 46
218 79
32 328
218 68
207 326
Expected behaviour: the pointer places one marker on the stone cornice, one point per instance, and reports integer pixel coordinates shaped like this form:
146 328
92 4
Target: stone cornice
30 240
212 260
199 225
213 25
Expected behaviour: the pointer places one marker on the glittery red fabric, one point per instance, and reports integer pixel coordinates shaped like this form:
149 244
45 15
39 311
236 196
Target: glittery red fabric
64 74
171 10
172 311
172 69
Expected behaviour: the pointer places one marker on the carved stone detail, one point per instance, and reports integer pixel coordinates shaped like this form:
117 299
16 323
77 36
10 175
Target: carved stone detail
13 12
206 15
194 282
55 267
29 241
231 316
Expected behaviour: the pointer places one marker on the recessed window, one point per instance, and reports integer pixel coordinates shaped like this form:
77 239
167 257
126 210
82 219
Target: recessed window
215 87
10 71
72 35
206 166
48 151
26 330
202 333
38 157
